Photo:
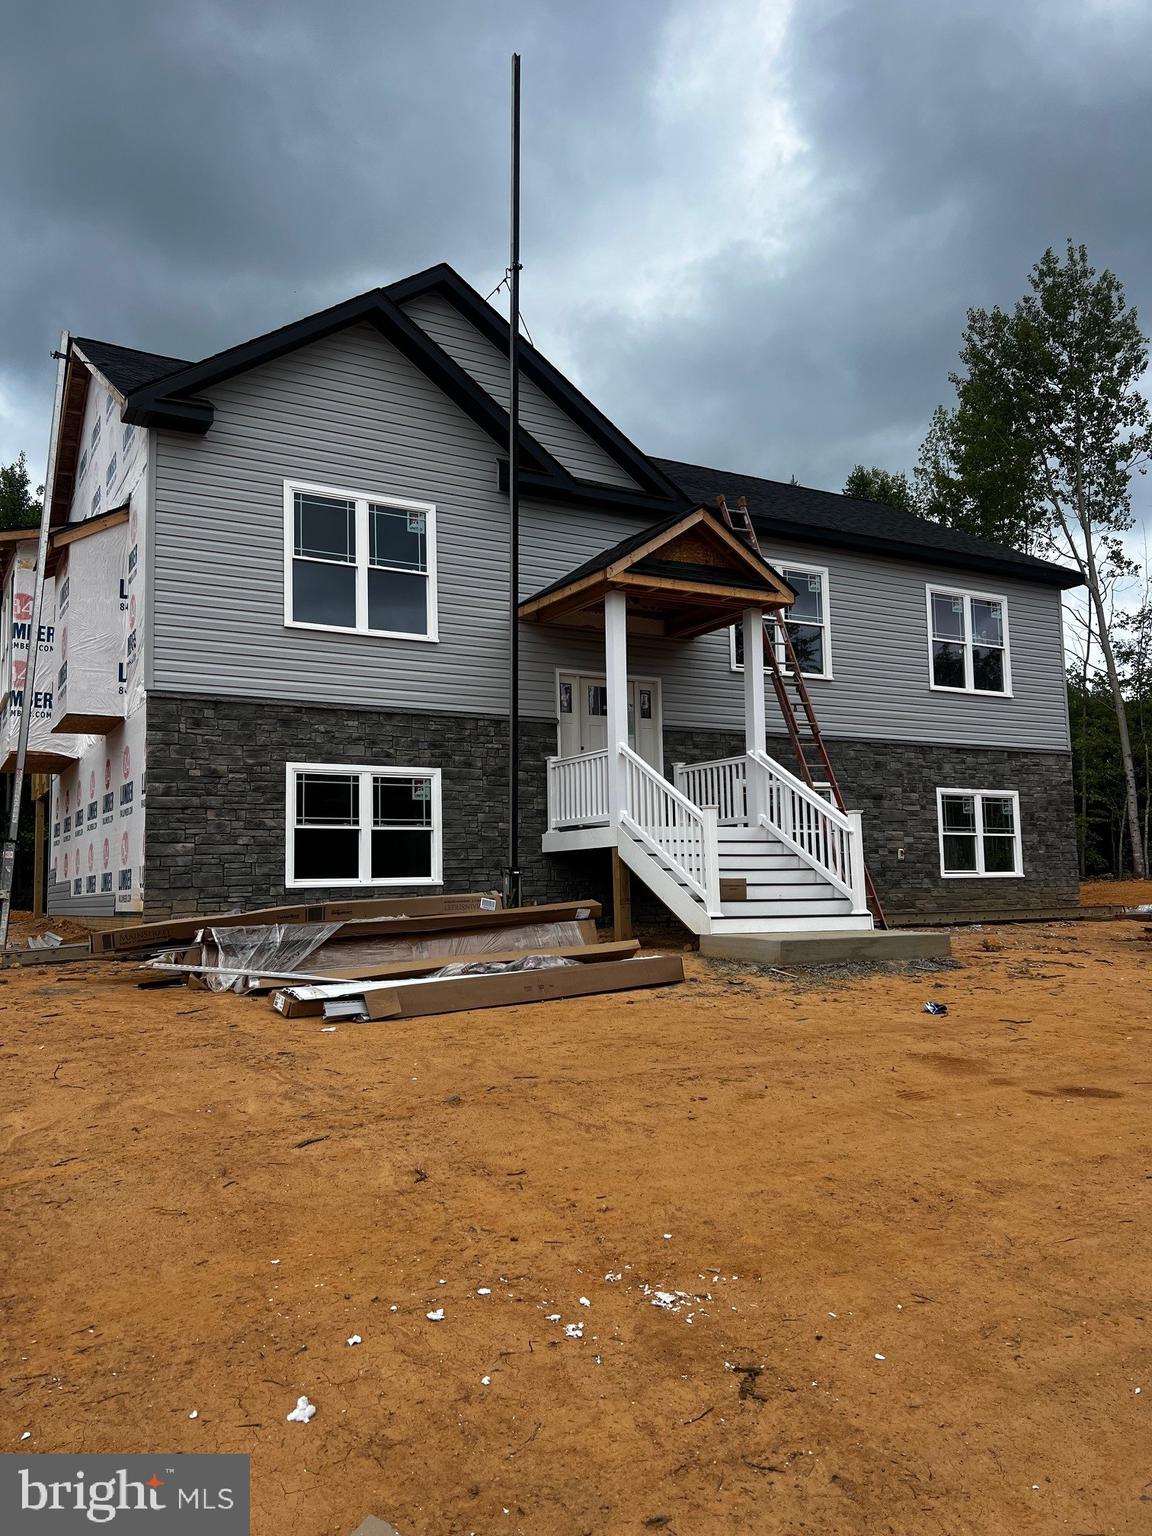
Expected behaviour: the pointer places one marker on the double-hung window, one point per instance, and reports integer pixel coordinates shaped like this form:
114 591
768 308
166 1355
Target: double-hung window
360 563
363 826
979 832
807 623
968 641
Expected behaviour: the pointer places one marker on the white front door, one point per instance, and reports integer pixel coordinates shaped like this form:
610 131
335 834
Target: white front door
582 707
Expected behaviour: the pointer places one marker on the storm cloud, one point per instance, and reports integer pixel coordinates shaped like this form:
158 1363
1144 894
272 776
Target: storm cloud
752 227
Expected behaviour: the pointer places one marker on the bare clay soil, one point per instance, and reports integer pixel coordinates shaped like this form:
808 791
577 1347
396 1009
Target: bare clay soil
849 1268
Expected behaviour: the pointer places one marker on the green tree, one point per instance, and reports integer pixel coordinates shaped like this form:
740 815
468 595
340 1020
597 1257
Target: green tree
19 508
891 489
1048 427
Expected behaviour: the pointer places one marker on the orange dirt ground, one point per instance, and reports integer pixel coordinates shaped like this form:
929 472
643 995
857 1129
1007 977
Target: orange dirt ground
915 1250
1115 893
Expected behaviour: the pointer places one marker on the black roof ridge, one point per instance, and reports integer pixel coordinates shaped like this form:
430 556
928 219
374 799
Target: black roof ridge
909 532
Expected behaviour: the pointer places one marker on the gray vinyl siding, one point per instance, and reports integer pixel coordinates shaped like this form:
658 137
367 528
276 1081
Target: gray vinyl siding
352 413
62 903
348 412
552 428
879 644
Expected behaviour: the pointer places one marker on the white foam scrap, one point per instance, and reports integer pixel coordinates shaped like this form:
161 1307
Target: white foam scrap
664 1299
195 1414
435 1317
667 1237
355 1339
393 1308
584 1302
273 1261
611 1277
327 1029
484 1290
302 1412
878 1357
485 1381
27 1435
553 1317
574 1330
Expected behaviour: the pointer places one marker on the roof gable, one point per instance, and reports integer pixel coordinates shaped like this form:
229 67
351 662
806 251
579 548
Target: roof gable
445 281
690 571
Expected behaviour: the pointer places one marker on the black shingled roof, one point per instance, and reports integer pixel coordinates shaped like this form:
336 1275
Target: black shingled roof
124 367
825 517
777 507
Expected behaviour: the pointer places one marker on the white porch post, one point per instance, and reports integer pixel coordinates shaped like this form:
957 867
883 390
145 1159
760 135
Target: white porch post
755 722
616 681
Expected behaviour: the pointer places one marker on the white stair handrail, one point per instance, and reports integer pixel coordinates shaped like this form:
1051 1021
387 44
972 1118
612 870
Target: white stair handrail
672 827
721 782
825 837
578 790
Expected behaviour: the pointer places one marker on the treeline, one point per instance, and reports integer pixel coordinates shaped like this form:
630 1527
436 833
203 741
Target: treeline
1048 425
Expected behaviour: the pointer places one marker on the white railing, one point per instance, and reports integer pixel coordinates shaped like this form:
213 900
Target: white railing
578 790
721 783
827 838
670 826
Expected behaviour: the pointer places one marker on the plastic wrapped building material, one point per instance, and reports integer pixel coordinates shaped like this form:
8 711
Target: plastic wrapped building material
348 954
241 953
47 752
499 967
92 630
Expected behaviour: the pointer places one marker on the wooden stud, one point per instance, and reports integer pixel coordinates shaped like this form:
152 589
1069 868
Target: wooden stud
621 898
38 861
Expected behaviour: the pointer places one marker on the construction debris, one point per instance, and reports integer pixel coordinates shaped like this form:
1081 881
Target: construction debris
177 930
406 957
413 997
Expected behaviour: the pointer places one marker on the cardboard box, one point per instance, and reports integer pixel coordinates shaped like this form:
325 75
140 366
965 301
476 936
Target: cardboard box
296 1008
506 917
180 930
416 998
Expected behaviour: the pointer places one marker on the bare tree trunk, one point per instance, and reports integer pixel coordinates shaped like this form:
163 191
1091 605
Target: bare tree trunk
1084 750
1132 800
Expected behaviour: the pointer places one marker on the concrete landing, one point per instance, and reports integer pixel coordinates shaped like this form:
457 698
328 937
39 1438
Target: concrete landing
827 948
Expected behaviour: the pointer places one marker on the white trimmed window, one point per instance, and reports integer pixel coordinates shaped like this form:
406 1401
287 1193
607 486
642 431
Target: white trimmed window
358 562
968 641
979 833
353 825
807 620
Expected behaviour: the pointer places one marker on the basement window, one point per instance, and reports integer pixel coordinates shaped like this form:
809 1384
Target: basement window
968 641
363 826
365 564
807 620
979 833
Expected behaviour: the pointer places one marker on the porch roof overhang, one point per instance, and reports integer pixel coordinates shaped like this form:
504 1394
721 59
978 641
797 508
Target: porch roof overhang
683 577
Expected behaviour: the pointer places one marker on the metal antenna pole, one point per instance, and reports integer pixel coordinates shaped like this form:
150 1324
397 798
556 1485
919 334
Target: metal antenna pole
512 873
8 856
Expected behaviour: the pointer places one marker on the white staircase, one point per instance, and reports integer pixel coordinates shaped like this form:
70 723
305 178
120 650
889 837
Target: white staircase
782 891
742 819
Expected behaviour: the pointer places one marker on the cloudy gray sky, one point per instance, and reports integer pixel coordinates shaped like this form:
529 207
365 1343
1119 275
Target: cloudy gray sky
752 227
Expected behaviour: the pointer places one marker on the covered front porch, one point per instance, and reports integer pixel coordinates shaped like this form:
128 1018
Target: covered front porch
736 844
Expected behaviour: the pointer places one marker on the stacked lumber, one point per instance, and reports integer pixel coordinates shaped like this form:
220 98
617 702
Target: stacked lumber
400 959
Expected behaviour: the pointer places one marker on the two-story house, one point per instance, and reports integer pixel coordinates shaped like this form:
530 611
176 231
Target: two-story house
280 578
